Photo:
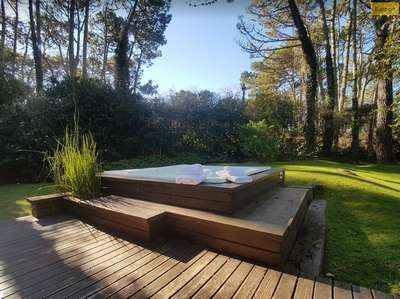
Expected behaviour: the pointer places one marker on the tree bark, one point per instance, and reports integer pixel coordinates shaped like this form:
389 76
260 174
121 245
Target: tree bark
85 40
3 36
71 29
345 72
355 126
334 49
121 52
37 54
105 46
15 41
331 84
78 37
312 84
372 121
137 72
384 115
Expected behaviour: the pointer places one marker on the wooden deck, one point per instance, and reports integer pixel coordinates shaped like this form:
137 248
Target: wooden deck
264 230
60 257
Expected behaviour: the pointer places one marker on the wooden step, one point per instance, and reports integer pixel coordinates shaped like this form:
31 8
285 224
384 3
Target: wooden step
265 229
143 223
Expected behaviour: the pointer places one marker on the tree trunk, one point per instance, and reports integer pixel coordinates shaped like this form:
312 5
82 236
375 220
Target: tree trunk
22 69
312 84
334 49
384 115
105 46
345 72
137 72
335 37
71 29
15 41
372 121
38 25
355 126
331 84
37 55
78 37
3 36
121 52
85 40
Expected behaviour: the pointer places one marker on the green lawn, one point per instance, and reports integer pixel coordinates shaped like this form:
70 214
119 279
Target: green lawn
12 198
363 234
363 217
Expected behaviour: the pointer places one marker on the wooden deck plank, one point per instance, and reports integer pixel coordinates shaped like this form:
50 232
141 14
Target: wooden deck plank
83 279
268 285
135 265
29 222
234 281
380 295
201 278
323 288
45 284
86 252
22 229
9 261
145 266
304 288
286 286
251 283
43 244
214 284
177 283
27 264
173 278
35 239
361 293
113 282
19 237
146 279
131 278
342 290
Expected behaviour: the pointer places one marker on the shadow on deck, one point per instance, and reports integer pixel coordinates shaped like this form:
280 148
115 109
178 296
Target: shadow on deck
60 257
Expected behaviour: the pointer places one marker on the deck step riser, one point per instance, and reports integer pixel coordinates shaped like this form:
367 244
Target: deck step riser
252 233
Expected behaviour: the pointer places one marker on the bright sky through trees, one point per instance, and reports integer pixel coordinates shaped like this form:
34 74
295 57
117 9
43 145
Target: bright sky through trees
202 50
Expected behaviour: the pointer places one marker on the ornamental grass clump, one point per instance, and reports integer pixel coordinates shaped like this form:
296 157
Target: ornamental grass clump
74 165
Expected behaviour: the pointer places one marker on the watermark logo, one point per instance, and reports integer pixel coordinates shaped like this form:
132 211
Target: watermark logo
385 8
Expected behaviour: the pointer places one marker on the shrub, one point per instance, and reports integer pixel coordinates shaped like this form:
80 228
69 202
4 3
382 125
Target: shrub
74 165
165 160
260 141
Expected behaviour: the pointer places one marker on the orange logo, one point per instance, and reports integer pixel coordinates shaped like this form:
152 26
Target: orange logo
391 8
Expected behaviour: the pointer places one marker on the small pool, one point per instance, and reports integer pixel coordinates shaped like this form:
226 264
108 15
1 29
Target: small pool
170 173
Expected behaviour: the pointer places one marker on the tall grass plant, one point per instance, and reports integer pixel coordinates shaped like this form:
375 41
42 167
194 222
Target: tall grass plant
74 165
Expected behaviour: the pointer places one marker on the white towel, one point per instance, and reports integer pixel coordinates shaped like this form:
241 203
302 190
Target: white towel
235 175
190 179
191 168
191 175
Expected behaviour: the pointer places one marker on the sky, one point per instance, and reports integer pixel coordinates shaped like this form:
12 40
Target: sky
202 50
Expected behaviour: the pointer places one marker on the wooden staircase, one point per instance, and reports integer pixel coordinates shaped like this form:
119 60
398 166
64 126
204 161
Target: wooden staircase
265 229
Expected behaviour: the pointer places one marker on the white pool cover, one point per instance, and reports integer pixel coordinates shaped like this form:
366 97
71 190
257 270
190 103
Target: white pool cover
170 173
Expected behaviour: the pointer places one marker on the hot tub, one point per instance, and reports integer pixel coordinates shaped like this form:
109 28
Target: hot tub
158 185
